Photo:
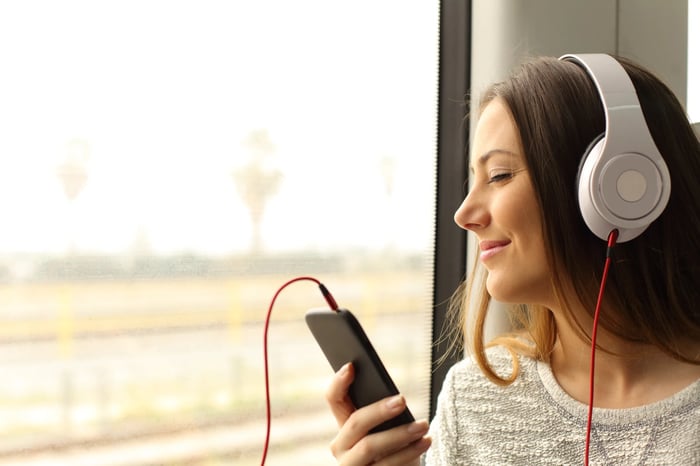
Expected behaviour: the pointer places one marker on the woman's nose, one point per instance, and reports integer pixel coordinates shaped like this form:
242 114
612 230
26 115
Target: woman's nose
471 215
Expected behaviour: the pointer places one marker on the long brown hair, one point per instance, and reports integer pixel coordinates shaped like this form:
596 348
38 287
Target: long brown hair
654 284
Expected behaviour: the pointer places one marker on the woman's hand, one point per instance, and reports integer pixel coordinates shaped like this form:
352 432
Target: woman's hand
401 445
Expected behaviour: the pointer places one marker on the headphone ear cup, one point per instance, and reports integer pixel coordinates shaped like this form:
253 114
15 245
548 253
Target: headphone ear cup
589 150
587 205
622 193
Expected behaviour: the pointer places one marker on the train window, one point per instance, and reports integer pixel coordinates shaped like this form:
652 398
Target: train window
693 60
164 167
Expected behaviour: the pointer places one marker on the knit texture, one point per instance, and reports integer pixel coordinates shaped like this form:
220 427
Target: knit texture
534 422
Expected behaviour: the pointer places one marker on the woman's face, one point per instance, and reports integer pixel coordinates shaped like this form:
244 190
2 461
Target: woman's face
502 211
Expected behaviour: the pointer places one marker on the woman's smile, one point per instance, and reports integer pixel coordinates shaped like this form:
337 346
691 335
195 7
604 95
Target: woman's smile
491 248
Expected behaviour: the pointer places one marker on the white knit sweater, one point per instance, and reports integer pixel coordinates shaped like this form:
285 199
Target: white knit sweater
534 422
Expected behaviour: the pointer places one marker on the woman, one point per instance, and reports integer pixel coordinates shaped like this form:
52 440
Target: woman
524 400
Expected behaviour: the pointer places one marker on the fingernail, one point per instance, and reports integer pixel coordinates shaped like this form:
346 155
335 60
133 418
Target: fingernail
395 402
344 370
423 444
415 427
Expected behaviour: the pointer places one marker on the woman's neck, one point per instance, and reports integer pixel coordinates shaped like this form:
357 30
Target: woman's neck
627 374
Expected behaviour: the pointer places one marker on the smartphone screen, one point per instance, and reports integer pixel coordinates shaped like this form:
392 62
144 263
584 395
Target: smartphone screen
343 340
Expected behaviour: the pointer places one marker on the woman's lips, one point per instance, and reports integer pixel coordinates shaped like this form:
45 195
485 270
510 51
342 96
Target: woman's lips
491 248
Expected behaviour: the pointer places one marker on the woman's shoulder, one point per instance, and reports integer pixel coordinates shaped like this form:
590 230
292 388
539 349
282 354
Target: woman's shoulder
502 360
474 413
467 376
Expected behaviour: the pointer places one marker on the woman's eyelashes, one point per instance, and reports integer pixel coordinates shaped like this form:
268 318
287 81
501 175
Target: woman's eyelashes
500 176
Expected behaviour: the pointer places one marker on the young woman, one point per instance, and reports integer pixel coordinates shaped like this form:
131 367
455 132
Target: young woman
524 400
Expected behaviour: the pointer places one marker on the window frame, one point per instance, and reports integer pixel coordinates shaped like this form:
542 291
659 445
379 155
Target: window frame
450 253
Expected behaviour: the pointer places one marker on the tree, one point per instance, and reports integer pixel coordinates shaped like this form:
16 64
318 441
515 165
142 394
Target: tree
257 182
72 172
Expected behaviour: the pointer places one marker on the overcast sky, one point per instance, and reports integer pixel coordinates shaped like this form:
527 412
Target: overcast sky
156 99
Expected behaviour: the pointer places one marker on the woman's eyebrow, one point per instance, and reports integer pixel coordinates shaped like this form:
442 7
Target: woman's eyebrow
486 155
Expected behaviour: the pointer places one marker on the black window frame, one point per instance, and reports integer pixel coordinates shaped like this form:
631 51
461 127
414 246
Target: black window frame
450 253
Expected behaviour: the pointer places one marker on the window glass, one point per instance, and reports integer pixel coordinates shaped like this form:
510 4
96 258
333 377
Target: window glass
164 167
694 60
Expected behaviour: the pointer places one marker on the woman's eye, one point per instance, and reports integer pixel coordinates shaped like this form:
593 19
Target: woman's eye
500 177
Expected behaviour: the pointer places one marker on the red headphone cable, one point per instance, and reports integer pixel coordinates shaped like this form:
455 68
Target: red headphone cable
333 305
612 239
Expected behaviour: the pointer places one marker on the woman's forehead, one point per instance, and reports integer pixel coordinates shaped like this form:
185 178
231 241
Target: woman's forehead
496 135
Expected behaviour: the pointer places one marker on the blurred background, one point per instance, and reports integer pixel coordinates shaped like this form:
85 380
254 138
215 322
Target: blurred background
165 166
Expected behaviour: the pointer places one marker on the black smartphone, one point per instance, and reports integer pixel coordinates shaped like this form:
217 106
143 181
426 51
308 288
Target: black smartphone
342 339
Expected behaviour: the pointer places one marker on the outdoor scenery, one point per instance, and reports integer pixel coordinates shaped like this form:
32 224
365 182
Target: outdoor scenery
166 166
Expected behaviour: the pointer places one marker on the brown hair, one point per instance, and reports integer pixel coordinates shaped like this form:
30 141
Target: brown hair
654 284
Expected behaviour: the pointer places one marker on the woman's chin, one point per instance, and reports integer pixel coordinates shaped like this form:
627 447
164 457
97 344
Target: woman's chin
500 291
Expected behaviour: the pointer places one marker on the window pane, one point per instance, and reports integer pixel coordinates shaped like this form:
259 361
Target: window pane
165 167
693 60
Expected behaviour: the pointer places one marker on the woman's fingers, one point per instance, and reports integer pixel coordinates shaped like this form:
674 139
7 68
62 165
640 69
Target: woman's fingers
398 446
354 446
408 456
360 422
337 394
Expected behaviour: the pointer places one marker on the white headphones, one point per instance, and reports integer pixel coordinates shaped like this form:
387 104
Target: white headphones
623 181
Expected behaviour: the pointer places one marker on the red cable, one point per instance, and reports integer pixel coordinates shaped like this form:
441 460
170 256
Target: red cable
334 306
612 238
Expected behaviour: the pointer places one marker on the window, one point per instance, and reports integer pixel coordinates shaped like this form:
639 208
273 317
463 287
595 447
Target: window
165 166
693 60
